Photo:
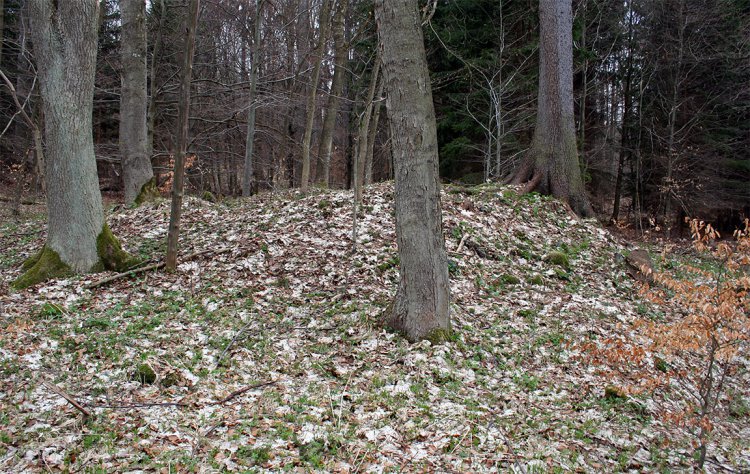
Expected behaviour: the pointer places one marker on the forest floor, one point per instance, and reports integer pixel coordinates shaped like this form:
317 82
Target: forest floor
265 353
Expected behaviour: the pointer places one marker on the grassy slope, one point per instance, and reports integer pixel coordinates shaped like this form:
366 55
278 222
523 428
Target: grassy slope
509 391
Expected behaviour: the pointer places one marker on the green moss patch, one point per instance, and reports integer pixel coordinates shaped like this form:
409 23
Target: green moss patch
558 258
45 265
148 192
110 252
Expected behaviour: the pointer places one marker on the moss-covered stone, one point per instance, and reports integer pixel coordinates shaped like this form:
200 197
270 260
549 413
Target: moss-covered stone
144 374
110 252
148 192
43 266
507 279
558 258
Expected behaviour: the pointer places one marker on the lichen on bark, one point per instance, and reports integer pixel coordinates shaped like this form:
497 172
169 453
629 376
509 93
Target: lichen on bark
44 265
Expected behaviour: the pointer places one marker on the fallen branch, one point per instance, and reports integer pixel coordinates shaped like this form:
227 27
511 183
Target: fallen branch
239 392
142 405
26 202
461 244
154 266
67 397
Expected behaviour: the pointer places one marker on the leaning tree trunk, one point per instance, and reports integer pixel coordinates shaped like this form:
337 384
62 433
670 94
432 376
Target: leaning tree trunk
78 239
551 165
137 173
421 307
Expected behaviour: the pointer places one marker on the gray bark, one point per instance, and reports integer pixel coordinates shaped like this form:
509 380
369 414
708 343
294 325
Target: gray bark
551 166
334 99
65 44
324 22
134 145
249 171
155 58
376 108
421 308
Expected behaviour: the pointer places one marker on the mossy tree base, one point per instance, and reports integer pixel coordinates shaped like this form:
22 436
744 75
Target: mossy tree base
47 263
44 265
148 192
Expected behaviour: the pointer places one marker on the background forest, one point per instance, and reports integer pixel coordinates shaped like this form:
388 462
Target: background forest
662 100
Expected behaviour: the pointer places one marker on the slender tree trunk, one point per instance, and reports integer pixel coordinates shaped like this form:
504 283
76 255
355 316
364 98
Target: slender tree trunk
137 173
421 308
183 122
324 22
363 131
369 157
78 240
337 88
2 28
249 171
551 165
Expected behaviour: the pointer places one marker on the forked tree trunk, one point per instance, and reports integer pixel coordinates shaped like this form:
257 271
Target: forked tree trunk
363 132
137 173
369 158
337 88
78 240
324 22
551 165
421 307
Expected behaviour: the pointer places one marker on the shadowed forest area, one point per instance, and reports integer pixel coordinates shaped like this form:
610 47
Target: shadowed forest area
374 236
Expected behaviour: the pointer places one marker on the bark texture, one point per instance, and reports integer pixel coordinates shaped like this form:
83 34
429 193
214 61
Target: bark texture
65 38
551 166
134 144
421 308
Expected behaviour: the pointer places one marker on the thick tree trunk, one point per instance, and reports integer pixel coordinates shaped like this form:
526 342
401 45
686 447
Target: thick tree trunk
337 88
249 170
183 123
78 240
421 308
137 173
551 166
324 22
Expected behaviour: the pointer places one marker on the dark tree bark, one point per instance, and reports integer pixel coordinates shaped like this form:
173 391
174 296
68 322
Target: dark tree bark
183 124
137 173
551 165
78 240
421 307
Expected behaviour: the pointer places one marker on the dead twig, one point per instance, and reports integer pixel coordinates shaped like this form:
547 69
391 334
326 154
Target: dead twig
461 244
142 405
231 343
154 266
67 397
239 392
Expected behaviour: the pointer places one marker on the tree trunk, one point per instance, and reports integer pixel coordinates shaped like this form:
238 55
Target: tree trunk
421 308
137 173
551 166
78 240
155 58
363 132
337 88
183 122
249 171
324 22
369 157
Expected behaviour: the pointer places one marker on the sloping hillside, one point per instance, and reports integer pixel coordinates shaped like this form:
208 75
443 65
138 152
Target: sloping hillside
264 353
